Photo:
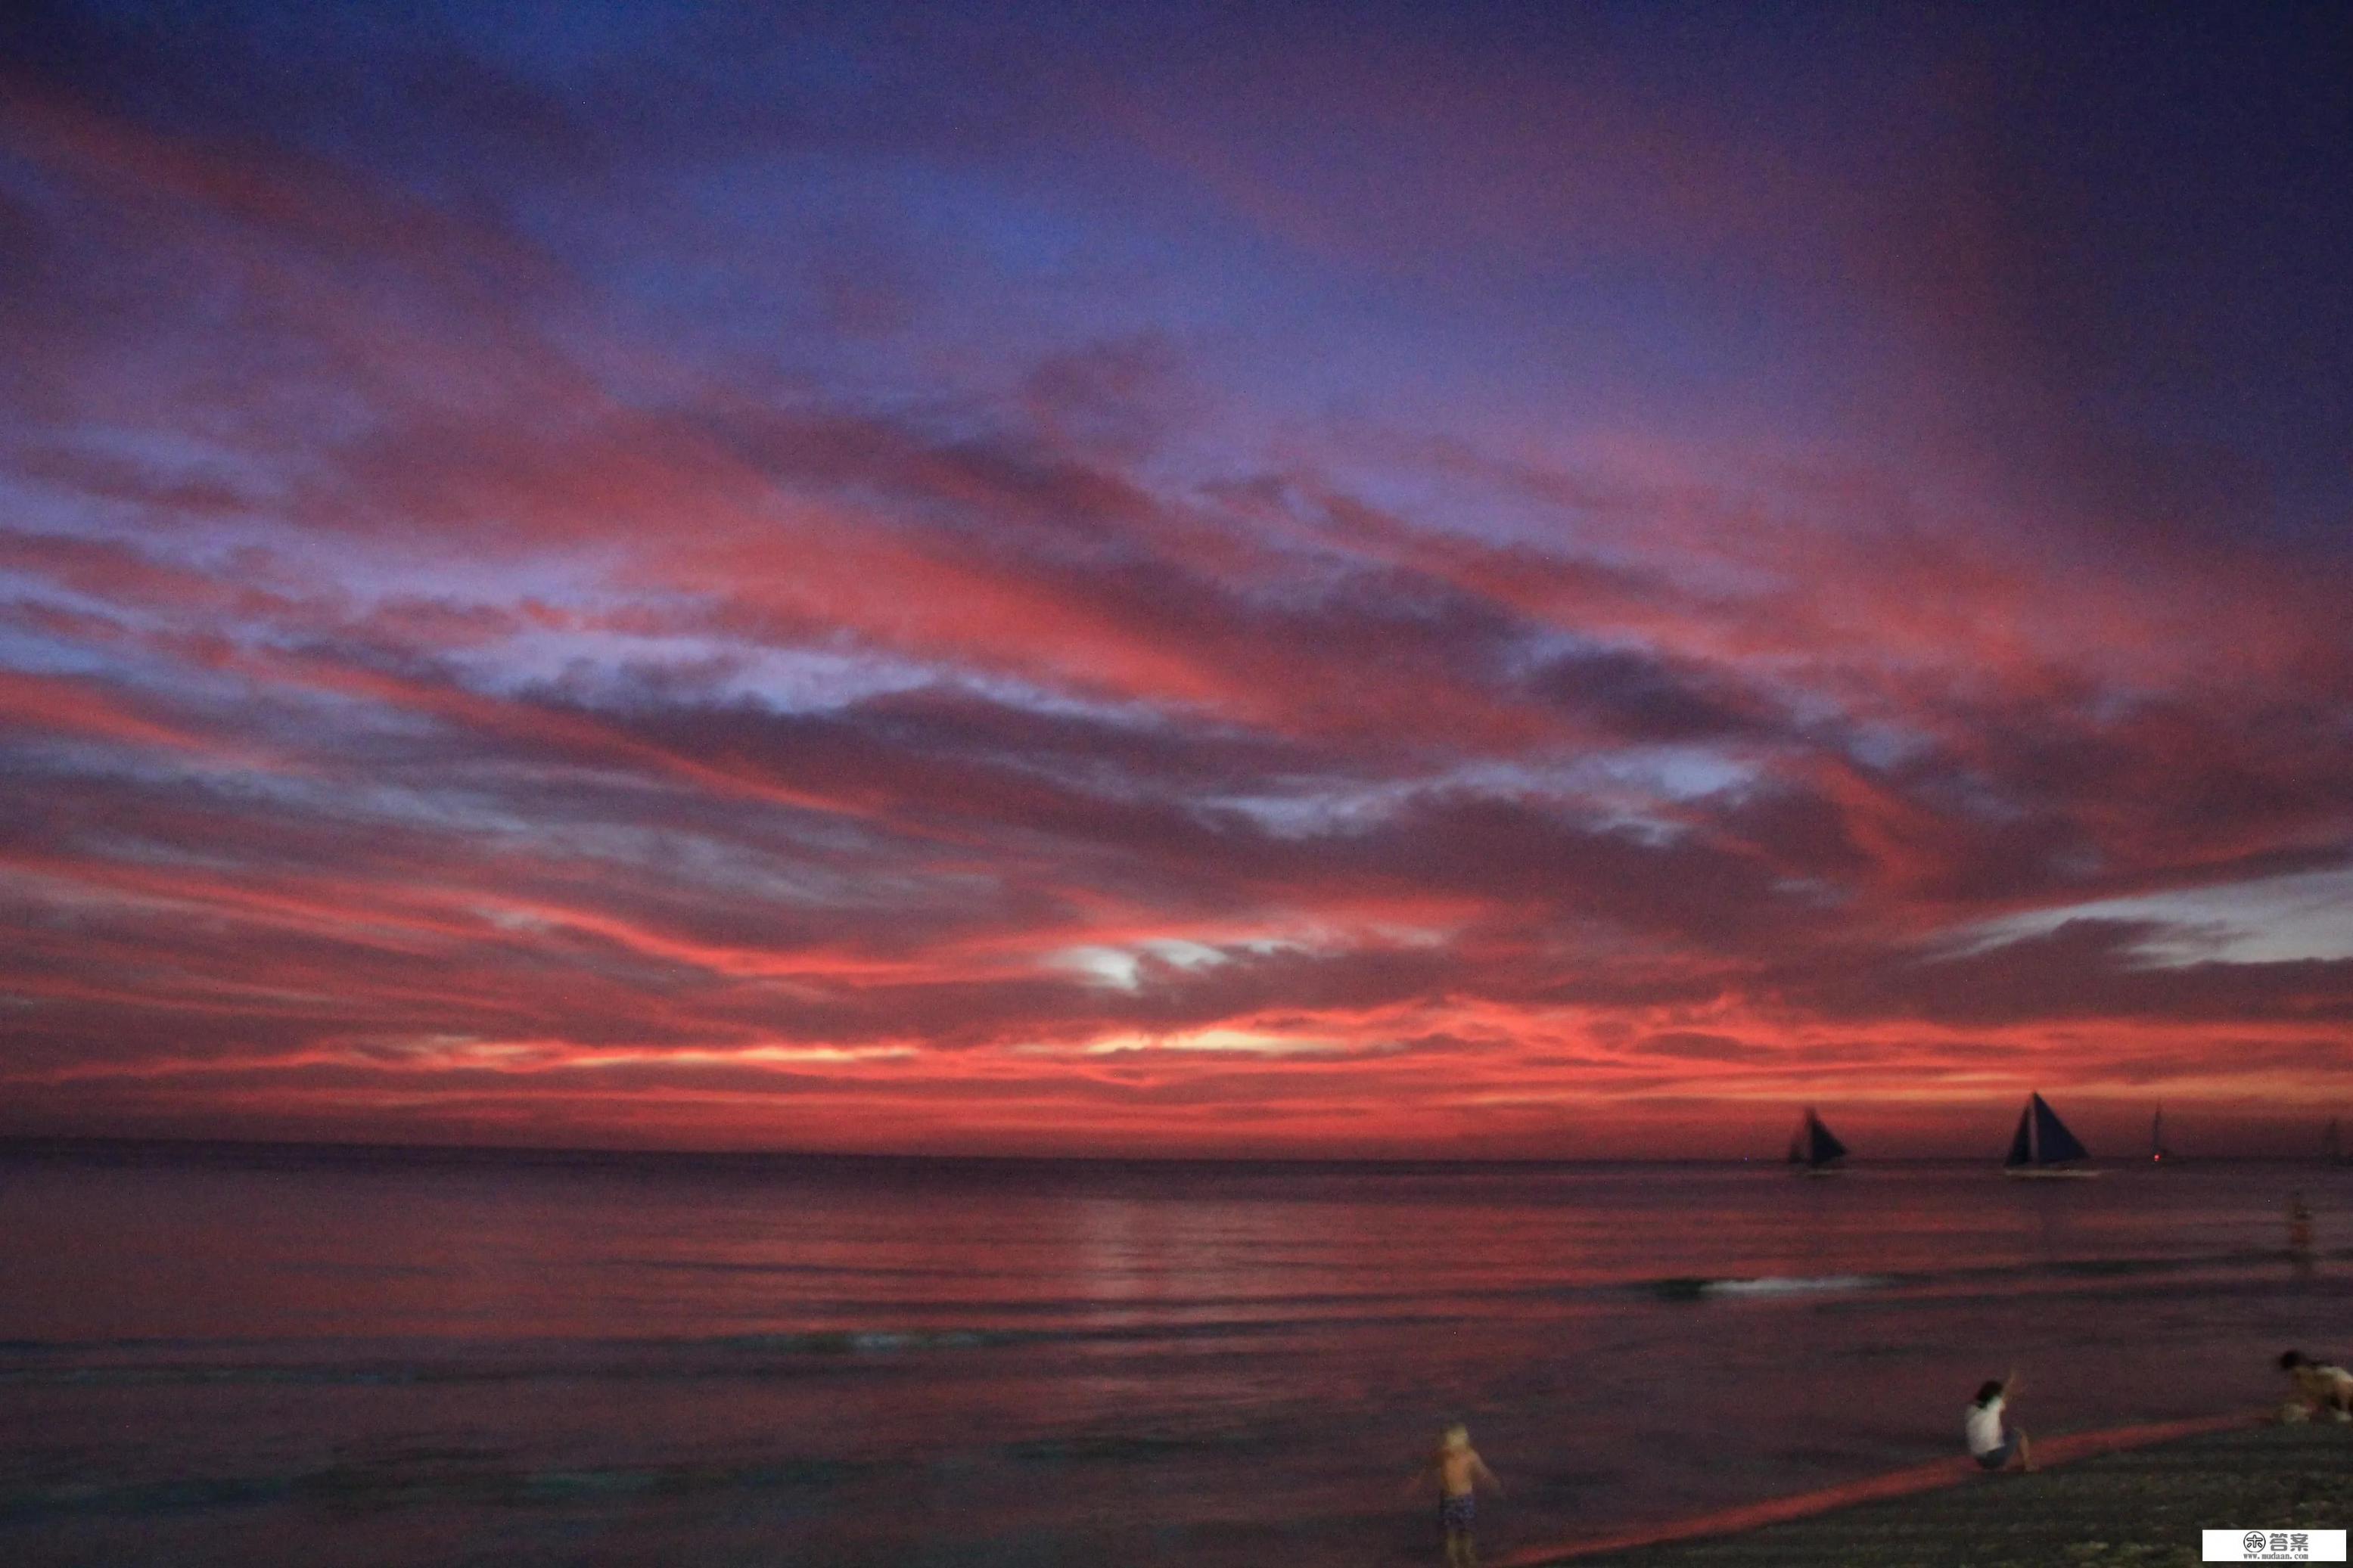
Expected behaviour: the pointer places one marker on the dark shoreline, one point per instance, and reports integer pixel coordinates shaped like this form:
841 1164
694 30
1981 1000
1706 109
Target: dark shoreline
2137 1506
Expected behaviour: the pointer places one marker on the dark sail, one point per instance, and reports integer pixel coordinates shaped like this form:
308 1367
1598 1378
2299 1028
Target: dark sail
2052 1141
2022 1146
1813 1144
1822 1148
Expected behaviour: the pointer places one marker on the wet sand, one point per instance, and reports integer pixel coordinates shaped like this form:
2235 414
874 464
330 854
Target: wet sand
2133 1503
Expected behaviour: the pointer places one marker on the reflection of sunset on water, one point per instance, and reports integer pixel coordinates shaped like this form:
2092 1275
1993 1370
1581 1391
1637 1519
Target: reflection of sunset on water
268 1354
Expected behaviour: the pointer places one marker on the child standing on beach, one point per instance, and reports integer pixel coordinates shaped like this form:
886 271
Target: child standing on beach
1459 1472
1988 1445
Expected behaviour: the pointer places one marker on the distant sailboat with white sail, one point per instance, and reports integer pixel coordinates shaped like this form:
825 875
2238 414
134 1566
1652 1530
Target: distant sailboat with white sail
1815 1150
2043 1146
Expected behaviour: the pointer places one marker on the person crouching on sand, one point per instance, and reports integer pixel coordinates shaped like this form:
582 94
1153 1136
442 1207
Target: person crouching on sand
1459 1471
2324 1391
1988 1445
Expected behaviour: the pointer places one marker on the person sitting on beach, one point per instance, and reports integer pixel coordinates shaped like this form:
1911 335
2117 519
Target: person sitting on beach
1459 1472
2324 1391
1988 1445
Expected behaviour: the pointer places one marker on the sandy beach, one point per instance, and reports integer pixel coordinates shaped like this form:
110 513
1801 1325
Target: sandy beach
2139 1507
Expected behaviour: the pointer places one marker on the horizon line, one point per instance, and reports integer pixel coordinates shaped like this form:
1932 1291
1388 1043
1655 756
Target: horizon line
11 1143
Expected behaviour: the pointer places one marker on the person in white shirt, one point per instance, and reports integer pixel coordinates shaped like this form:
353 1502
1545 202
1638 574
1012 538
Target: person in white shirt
2324 1391
1989 1446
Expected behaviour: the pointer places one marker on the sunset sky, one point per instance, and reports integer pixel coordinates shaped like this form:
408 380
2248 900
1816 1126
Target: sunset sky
1105 578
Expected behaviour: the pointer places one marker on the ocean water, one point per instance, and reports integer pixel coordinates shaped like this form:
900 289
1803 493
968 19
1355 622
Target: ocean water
257 1356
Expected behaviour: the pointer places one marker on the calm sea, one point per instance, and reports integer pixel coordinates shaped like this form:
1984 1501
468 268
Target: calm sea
252 1356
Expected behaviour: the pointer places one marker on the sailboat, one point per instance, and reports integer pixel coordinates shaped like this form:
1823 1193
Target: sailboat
2157 1152
1815 1150
2332 1143
2043 1146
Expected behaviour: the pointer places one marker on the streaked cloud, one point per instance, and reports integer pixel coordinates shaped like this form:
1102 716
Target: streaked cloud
1509 586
